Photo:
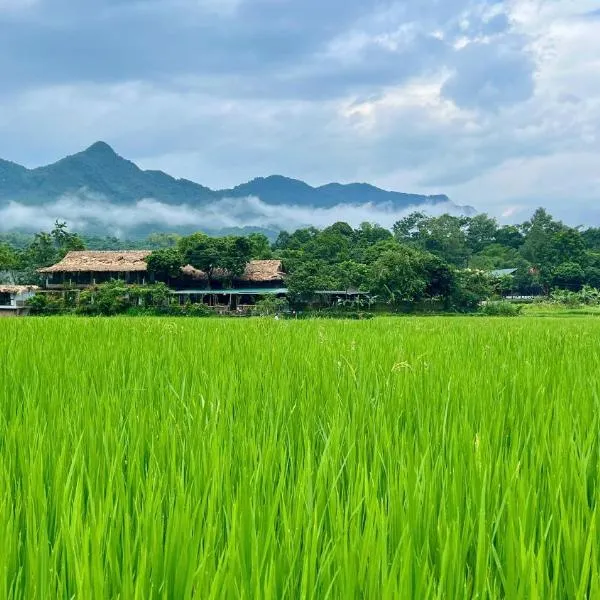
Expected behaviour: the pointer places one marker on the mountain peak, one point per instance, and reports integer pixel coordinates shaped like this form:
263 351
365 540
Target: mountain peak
100 148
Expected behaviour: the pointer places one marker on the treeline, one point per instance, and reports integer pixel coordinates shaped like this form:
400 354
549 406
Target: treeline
422 258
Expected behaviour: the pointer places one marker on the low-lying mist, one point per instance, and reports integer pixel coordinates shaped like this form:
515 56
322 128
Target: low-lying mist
92 213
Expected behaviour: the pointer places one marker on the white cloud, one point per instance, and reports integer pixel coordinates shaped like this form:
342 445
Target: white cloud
404 133
89 211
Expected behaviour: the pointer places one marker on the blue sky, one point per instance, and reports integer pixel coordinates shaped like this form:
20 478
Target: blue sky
496 103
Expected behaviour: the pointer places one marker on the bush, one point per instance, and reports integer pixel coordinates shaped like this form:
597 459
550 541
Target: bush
270 305
501 308
47 304
588 296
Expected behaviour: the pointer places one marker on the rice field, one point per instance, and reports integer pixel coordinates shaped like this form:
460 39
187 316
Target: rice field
394 458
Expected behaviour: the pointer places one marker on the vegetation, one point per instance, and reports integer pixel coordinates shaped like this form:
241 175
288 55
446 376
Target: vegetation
444 458
445 260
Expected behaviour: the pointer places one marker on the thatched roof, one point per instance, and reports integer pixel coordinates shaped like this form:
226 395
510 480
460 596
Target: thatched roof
256 271
98 262
263 270
128 261
17 290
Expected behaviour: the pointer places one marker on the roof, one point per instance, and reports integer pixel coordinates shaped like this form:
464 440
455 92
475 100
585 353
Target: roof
256 271
238 292
85 261
503 272
18 289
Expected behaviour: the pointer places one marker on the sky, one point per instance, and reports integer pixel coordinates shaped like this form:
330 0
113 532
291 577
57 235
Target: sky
495 103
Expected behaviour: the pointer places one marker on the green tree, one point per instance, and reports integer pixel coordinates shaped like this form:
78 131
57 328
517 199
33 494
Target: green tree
165 264
236 253
469 289
495 256
537 247
568 275
567 245
227 255
64 240
307 277
370 233
9 260
481 232
510 236
161 240
261 247
444 236
399 275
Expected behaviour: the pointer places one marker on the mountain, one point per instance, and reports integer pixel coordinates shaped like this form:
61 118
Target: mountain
100 172
275 188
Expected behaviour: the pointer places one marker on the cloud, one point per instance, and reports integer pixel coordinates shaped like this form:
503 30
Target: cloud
92 212
488 76
465 97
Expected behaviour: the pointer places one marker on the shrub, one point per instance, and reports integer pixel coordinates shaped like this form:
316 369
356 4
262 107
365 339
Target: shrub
270 305
501 308
47 304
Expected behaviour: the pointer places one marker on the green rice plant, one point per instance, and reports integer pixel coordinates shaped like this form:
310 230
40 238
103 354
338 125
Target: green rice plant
221 458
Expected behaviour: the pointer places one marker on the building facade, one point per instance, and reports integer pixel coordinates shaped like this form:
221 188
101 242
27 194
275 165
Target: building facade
13 299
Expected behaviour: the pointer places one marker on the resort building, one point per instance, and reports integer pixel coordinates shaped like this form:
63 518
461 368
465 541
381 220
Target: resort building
13 299
261 278
83 269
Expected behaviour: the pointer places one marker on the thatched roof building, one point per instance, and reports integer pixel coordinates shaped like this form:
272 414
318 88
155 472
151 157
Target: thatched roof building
257 271
18 290
85 268
13 299
85 261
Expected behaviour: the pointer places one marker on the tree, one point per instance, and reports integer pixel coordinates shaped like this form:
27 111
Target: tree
352 275
592 277
8 258
282 241
538 233
568 275
495 256
407 229
260 246
399 275
439 276
567 245
481 232
469 289
510 236
165 264
64 240
309 276
369 233
236 253
162 240
229 255
444 236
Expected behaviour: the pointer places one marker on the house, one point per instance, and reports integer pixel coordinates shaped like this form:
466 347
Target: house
261 278
82 269
13 299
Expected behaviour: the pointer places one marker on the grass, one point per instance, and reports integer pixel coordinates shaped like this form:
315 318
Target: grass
552 309
412 458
